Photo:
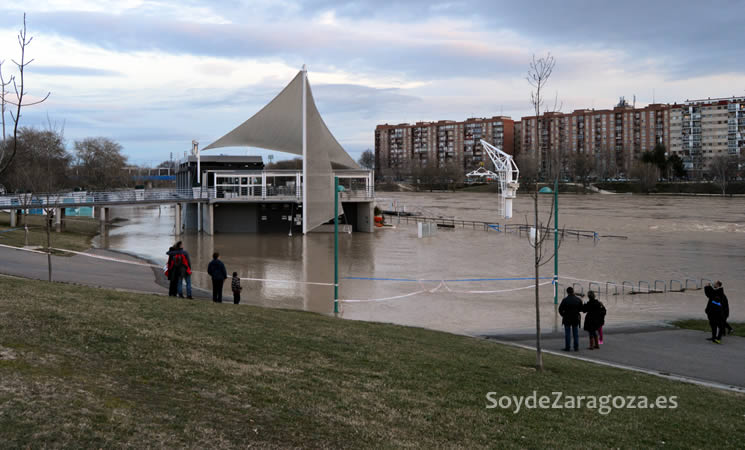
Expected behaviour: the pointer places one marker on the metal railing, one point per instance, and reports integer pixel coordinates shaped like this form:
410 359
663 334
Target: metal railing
124 196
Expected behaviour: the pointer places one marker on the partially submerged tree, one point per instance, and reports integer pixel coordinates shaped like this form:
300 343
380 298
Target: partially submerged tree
647 174
582 166
9 151
722 169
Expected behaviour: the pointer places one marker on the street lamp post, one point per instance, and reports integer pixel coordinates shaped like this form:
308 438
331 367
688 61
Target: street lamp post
547 190
337 190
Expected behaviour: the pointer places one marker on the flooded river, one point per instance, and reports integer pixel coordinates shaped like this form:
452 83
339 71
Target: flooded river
668 238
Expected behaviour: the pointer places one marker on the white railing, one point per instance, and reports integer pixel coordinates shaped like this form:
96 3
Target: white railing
125 196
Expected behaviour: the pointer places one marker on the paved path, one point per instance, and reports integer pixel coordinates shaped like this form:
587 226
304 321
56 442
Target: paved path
666 351
89 271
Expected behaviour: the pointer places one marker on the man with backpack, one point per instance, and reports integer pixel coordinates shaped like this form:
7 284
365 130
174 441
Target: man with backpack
178 267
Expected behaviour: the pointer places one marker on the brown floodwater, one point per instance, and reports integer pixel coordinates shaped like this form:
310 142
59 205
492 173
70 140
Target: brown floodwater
668 238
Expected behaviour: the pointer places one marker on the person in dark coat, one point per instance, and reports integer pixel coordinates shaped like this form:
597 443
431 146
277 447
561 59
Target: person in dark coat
216 270
594 319
719 291
570 309
717 310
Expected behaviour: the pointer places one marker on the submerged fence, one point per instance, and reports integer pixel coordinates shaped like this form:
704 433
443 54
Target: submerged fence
500 228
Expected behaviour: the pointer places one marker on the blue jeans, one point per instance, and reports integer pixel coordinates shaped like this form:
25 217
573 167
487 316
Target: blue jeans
575 335
188 286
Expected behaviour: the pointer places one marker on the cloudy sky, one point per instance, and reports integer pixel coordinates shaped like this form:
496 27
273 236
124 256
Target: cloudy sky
153 75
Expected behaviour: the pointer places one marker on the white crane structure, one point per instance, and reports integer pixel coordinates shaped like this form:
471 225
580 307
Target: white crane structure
506 172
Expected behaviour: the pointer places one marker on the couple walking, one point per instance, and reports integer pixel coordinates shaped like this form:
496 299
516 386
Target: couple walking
570 308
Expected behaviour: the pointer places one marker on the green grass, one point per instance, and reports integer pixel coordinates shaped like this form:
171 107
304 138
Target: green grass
703 325
77 234
85 367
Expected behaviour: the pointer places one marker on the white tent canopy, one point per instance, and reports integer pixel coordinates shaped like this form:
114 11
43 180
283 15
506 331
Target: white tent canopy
291 123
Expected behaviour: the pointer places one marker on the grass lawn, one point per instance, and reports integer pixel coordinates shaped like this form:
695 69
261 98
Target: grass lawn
77 235
85 367
703 325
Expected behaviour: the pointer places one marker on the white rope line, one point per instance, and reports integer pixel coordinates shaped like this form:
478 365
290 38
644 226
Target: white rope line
137 263
497 291
396 297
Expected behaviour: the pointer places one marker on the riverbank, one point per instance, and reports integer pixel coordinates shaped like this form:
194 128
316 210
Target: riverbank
77 235
89 367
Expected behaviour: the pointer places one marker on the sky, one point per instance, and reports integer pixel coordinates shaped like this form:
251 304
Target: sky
154 75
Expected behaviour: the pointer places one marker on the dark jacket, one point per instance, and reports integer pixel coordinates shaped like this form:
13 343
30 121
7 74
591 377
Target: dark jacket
569 309
595 317
718 304
216 269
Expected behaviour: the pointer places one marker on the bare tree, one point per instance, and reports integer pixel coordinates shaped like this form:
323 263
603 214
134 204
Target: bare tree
19 88
582 166
722 169
539 72
101 163
647 174
367 160
3 93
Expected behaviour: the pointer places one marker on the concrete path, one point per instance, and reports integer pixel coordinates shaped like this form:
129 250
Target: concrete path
89 271
665 351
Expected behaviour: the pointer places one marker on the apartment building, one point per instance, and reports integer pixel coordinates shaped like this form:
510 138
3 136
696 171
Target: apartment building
615 138
704 129
401 149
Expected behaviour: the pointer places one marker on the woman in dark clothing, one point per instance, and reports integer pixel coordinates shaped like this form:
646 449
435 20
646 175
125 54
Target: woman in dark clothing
717 310
594 319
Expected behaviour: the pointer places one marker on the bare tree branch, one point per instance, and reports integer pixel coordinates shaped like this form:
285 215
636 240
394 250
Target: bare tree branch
19 88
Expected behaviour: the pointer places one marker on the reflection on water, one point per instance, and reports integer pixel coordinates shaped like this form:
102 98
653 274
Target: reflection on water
668 238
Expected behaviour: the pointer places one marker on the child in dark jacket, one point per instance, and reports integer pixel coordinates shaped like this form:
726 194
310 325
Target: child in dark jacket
236 286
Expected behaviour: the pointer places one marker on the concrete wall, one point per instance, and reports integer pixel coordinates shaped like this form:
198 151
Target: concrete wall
365 217
191 217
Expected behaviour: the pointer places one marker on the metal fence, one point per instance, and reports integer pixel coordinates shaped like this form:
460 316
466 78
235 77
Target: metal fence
124 196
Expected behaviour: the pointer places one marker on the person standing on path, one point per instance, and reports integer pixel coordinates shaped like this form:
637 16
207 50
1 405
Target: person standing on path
216 270
570 309
715 312
187 275
719 292
176 270
236 287
594 319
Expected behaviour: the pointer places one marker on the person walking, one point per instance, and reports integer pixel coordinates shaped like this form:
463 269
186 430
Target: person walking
216 270
594 318
236 287
715 311
570 309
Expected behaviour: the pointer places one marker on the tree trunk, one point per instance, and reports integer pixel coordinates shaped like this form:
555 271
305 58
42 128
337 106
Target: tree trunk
539 356
49 247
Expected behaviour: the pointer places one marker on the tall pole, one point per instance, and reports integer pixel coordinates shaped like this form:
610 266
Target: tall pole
336 245
556 241
305 156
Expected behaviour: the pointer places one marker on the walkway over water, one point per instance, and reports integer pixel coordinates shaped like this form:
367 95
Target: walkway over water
230 186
